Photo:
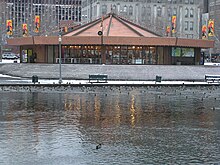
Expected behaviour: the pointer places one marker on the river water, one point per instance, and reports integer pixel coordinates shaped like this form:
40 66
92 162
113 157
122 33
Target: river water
134 125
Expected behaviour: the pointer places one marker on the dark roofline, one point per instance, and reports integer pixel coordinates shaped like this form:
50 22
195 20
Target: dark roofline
95 40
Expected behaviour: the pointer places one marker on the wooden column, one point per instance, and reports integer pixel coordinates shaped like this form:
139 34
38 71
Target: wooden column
197 54
103 55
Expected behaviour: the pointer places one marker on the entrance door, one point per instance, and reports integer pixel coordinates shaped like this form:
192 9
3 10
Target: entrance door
27 56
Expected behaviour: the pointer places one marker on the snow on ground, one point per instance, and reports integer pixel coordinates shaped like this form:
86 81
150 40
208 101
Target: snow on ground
10 61
19 80
83 82
211 64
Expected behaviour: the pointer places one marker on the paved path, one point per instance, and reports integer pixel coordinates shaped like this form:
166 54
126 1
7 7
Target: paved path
114 72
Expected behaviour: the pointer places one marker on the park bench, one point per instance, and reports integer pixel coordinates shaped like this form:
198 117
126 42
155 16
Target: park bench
98 78
212 78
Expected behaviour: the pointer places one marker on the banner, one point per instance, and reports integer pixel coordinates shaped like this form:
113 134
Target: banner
204 32
173 24
9 27
37 24
211 28
65 29
205 18
167 30
25 30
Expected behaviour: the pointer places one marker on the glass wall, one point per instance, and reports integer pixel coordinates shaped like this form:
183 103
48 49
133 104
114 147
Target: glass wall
82 54
122 55
131 55
183 56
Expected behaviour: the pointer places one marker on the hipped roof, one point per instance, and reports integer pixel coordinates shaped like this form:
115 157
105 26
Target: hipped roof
116 31
113 26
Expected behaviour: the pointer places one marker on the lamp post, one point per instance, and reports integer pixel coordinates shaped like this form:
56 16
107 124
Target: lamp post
100 33
60 40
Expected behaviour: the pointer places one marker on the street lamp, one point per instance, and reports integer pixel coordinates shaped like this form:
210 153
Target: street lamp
60 40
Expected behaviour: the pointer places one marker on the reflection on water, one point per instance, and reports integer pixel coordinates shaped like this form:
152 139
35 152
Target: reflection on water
135 125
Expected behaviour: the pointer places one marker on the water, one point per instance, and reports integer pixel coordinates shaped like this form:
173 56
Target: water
134 125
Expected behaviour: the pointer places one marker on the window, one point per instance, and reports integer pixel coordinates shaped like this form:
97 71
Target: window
125 8
130 10
169 12
143 11
186 25
143 14
191 25
191 13
174 11
159 11
104 9
149 11
191 1
186 13
114 8
186 1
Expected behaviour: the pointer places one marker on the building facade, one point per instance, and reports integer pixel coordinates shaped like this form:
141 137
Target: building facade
153 14
214 13
51 12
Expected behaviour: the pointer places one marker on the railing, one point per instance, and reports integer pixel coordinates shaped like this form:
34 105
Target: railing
98 78
212 78
74 60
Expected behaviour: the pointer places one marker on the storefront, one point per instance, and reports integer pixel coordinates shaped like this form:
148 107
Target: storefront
125 55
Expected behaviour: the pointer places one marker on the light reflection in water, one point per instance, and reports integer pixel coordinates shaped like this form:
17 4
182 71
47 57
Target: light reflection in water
132 110
117 108
146 126
97 109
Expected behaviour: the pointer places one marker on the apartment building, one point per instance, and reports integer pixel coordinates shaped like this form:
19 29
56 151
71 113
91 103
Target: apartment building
51 12
153 14
214 13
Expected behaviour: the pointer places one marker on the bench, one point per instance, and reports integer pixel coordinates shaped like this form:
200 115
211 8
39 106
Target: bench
212 78
98 78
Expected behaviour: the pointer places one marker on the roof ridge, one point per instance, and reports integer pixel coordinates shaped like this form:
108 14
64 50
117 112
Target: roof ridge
109 25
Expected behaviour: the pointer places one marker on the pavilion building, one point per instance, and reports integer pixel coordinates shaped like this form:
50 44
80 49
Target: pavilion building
112 40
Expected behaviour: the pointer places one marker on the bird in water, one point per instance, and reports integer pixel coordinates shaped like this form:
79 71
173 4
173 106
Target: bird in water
98 146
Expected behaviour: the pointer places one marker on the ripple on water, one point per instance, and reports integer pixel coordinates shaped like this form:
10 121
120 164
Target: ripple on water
60 127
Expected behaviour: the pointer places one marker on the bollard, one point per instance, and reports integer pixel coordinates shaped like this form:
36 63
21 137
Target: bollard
34 79
158 78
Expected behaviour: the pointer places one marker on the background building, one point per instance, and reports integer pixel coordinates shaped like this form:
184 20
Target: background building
153 14
214 13
24 12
